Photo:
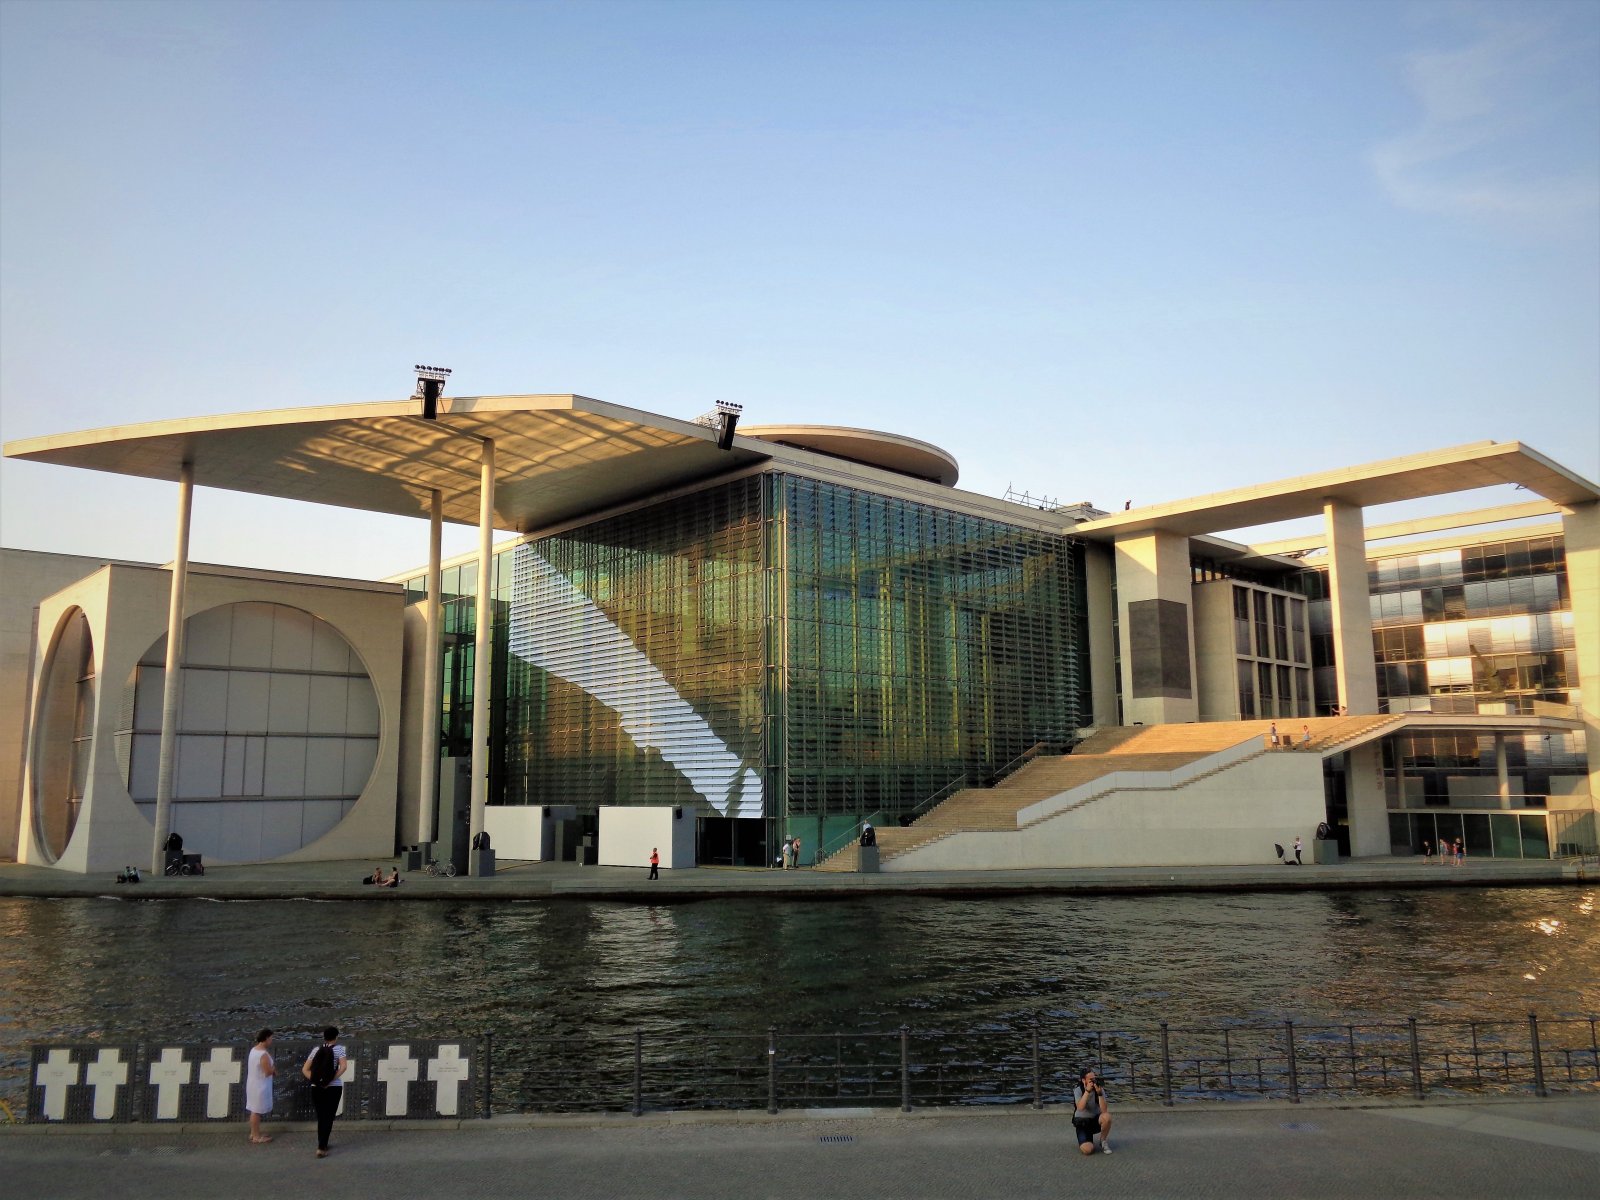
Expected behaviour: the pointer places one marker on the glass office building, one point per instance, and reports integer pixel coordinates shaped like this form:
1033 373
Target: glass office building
779 654
1482 628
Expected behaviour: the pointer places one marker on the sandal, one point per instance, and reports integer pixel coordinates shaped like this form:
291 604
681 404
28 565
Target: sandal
260 1141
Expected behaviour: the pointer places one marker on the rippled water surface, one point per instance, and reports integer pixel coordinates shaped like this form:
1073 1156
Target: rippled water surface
203 970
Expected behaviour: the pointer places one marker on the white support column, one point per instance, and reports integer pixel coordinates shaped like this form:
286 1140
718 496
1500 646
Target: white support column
480 657
433 616
171 692
1364 800
1355 668
1580 529
1157 628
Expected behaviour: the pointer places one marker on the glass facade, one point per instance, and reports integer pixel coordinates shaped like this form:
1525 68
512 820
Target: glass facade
919 645
1484 628
638 650
773 648
1273 665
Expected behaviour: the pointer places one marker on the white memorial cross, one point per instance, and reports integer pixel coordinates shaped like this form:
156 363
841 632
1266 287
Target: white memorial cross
106 1074
219 1073
395 1070
449 1070
55 1075
168 1074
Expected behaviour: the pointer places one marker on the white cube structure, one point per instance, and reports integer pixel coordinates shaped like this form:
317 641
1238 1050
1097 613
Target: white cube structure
628 834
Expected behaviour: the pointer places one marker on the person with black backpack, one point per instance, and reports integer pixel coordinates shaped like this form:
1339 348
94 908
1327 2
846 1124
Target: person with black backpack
325 1068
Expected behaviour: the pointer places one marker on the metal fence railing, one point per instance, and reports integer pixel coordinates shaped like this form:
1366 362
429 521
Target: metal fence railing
1037 1065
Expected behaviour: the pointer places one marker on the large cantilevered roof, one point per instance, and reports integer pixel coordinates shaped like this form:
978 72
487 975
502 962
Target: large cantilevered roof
1437 473
556 457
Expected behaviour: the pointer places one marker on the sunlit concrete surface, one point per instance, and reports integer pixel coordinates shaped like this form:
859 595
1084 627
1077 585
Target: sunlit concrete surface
342 881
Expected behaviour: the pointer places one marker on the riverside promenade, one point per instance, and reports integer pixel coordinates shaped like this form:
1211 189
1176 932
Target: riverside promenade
565 880
1526 1148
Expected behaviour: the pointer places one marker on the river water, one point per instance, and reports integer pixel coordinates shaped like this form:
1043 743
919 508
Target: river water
531 970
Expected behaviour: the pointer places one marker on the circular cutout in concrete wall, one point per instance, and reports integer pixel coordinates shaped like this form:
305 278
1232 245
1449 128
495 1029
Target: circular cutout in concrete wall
64 729
277 731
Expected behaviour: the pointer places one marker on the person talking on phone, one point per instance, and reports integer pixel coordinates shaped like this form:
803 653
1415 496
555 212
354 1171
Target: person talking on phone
1091 1119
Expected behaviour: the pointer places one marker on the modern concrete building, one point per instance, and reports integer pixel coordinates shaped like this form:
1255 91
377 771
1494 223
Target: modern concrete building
791 630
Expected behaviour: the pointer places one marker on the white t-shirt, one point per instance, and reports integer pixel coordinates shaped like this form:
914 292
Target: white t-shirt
339 1055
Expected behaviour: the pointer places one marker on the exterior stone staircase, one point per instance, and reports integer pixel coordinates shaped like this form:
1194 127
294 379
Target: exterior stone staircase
1132 748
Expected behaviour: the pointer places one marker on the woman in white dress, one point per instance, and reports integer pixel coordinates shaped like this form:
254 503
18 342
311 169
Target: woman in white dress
258 1085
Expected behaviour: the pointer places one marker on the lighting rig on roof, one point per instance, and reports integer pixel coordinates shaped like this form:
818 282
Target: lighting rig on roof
430 383
722 418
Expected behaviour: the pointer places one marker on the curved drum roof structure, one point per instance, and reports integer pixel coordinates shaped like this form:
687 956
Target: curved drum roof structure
888 451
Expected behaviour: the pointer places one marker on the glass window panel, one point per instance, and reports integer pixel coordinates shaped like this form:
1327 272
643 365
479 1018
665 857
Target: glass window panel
1507 836
1535 835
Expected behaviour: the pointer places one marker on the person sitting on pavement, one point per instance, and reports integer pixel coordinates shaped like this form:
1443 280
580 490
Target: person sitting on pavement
393 880
376 877
1091 1118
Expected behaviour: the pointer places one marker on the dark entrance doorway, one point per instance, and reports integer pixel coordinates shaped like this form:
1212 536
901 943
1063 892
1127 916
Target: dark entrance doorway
733 841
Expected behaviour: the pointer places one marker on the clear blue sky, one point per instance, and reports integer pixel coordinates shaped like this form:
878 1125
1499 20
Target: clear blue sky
1102 251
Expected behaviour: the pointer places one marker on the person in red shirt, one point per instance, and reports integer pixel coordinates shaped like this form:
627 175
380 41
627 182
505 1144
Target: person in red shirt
655 863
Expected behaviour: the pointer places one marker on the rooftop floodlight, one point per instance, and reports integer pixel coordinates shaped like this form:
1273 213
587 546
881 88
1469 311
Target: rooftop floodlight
728 417
722 418
430 382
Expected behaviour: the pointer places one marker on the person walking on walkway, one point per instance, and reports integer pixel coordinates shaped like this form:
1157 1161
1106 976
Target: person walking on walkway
655 862
1091 1117
797 854
1297 861
259 1070
325 1068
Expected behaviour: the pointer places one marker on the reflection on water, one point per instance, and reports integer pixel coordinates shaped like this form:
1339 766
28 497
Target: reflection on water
193 969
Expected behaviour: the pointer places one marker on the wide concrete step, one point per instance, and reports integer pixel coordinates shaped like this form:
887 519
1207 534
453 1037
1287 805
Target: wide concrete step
1153 748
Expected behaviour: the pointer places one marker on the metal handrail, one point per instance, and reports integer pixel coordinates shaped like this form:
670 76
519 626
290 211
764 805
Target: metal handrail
965 780
1028 755
944 793
831 847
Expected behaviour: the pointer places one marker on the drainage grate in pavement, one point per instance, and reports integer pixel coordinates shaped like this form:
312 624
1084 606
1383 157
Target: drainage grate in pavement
837 1137
1300 1126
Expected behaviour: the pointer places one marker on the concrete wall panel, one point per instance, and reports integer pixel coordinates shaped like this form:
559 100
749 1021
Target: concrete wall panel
1232 817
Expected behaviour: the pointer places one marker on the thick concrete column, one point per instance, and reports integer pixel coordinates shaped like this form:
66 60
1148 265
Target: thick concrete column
432 615
1580 527
1355 667
1098 567
171 690
1156 629
484 642
1369 814
1501 771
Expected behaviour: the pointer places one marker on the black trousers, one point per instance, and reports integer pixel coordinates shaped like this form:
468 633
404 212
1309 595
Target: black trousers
326 1102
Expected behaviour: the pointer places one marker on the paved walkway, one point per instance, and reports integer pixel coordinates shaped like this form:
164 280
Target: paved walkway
1527 1149
341 881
